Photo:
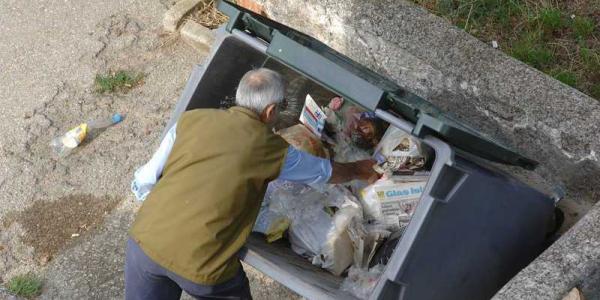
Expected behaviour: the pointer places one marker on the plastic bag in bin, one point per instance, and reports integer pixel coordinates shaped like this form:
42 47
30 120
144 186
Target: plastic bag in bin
314 232
399 151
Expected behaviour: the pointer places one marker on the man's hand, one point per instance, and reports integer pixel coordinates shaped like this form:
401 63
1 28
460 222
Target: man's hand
362 170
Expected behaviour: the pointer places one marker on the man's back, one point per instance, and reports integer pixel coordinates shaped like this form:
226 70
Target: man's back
200 213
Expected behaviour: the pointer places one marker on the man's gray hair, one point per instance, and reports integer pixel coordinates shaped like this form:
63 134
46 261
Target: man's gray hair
259 88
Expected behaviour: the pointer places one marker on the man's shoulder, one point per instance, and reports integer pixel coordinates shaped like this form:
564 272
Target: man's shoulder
202 111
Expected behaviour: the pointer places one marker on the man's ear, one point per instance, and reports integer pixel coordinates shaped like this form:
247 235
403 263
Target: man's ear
269 113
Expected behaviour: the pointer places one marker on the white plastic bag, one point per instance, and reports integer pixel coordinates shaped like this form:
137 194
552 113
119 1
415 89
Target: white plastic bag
308 235
398 151
303 206
313 232
337 252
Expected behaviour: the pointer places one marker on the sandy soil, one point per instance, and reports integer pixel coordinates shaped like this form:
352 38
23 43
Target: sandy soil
49 55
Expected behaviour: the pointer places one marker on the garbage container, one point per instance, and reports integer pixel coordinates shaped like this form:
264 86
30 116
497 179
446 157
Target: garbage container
474 227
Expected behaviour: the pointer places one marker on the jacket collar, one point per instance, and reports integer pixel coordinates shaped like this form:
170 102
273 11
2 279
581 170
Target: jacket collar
245 111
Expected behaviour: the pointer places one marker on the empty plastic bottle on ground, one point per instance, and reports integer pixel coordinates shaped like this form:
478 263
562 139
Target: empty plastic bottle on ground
64 144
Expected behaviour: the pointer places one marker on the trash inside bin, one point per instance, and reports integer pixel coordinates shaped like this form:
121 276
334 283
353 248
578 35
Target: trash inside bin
472 227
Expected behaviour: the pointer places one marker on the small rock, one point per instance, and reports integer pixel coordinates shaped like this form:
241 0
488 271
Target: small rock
123 42
173 17
197 36
45 259
132 27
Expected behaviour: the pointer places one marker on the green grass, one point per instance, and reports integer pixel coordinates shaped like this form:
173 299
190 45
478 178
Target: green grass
473 14
566 77
27 286
595 91
551 19
530 50
590 59
559 38
117 81
582 27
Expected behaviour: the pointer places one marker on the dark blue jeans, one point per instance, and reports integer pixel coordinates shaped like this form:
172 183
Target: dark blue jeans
145 279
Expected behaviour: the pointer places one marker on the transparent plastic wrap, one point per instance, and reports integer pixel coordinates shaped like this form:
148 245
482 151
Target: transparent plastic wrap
316 232
361 281
268 222
341 123
399 151
303 206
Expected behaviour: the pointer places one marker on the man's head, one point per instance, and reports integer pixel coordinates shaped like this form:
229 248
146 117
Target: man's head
261 91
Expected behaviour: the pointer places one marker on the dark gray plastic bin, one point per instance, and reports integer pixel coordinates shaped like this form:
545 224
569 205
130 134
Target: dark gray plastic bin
474 227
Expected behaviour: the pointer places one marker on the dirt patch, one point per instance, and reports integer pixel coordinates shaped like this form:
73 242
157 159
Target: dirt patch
51 226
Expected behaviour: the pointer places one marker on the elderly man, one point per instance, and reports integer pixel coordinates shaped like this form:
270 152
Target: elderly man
195 219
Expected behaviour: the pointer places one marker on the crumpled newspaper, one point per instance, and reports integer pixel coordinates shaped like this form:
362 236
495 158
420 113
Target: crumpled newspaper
392 201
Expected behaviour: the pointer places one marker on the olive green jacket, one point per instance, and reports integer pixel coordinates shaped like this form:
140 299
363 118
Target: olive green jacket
202 210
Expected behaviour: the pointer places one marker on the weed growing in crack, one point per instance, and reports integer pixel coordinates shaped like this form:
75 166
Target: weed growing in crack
121 81
26 286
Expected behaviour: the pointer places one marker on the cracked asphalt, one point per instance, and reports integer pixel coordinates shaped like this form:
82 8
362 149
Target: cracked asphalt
50 53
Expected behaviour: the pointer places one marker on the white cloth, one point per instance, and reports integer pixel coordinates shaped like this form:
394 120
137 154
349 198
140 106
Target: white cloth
147 175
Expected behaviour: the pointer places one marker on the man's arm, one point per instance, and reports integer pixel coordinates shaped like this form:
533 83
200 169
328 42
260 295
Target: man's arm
362 170
302 167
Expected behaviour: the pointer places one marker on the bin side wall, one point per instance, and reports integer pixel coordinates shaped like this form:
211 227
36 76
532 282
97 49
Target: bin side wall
481 234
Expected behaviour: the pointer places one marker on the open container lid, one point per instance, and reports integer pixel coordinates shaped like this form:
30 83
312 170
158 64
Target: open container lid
364 87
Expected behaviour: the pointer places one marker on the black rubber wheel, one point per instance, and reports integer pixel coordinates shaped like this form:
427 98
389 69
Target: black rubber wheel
559 220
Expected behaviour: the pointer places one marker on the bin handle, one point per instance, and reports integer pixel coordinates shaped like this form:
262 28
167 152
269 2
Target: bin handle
397 122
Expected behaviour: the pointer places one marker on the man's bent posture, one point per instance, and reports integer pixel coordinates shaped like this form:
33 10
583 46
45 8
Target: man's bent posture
189 230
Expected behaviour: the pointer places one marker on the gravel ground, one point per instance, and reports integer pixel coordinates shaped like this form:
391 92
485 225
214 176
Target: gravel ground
49 55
